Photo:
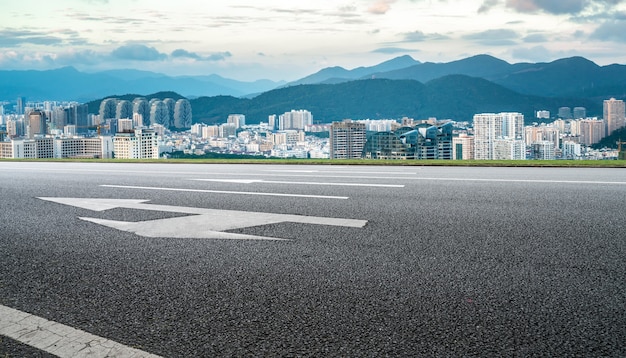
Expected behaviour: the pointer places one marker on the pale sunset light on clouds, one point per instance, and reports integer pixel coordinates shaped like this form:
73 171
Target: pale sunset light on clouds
286 40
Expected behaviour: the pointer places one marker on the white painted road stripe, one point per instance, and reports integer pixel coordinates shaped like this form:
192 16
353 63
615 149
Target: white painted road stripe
547 181
254 181
345 171
226 192
108 171
59 339
440 179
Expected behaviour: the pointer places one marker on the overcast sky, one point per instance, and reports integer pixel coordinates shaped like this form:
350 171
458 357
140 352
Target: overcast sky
289 39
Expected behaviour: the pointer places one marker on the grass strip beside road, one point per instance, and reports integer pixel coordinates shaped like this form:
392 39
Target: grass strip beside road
462 163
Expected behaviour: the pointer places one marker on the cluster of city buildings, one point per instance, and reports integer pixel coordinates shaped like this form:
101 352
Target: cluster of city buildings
121 129
152 129
490 136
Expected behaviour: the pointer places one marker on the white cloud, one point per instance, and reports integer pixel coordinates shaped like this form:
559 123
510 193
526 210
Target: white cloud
138 52
380 7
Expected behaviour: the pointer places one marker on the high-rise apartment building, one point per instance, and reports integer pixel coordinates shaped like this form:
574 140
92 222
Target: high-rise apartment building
542 133
137 120
159 113
590 131
562 125
124 110
571 150
347 140
141 112
295 119
614 115
108 109
543 150
565 113
509 149
543 114
140 144
489 127
239 120
124 125
196 129
78 114
58 117
227 130
36 123
272 121
182 114
19 106
210 131
16 127
580 112
69 130
463 147
170 103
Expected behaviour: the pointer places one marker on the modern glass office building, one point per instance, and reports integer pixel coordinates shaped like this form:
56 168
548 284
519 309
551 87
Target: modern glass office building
423 141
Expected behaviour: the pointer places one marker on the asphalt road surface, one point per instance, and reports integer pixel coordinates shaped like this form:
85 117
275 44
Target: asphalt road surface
268 260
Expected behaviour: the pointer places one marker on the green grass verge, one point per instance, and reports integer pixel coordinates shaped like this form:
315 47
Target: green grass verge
450 163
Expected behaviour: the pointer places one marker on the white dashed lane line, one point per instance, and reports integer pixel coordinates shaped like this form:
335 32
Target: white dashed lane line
225 192
261 181
59 339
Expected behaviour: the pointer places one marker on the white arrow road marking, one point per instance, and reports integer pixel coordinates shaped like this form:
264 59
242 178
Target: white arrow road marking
226 192
203 224
188 227
59 339
255 181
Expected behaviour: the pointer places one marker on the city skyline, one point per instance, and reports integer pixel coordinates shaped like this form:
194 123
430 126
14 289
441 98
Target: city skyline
280 40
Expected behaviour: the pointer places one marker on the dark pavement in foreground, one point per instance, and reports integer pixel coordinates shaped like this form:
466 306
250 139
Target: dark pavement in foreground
446 266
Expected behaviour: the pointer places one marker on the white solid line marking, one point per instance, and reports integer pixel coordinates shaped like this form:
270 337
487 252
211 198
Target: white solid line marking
548 181
339 171
292 171
108 171
346 171
253 181
226 192
441 179
59 339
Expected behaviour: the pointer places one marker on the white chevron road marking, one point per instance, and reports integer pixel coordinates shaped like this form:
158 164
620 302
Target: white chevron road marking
202 223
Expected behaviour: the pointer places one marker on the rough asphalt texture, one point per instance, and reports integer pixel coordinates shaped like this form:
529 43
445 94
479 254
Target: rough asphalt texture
443 267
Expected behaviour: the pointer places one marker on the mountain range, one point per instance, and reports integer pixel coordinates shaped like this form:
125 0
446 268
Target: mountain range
69 84
392 89
568 77
456 97
457 90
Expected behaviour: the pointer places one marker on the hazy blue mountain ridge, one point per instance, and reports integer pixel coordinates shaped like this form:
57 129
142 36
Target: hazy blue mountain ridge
67 83
456 97
568 77
339 74
475 66
575 76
